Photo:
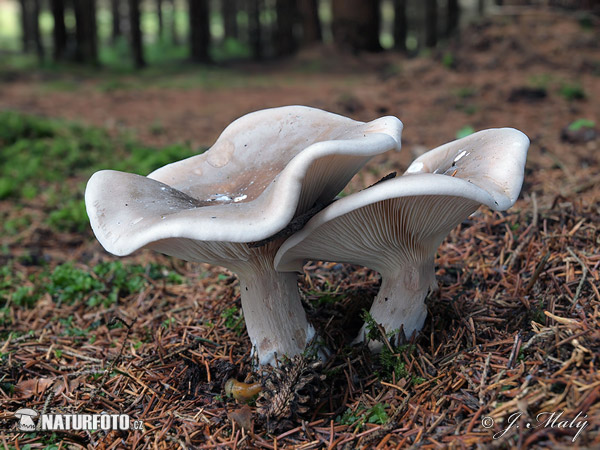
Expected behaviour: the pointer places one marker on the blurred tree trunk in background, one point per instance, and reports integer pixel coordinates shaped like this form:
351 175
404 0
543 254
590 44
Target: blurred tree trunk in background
35 26
254 28
356 24
400 25
174 35
116 19
136 34
159 14
86 50
311 25
229 12
30 27
430 23
199 30
285 39
453 16
480 7
59 32
25 25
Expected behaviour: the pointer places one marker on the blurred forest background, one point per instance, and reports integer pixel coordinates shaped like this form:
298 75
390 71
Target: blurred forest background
136 33
133 85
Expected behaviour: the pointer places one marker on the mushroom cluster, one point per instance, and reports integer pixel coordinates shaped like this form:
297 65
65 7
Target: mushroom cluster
267 169
269 172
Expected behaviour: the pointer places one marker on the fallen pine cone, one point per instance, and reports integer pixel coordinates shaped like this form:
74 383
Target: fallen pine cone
290 391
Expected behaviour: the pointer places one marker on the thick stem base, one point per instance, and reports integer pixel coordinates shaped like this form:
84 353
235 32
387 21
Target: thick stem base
275 318
400 303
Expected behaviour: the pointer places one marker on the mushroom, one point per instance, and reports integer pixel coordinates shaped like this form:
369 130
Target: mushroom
266 169
395 226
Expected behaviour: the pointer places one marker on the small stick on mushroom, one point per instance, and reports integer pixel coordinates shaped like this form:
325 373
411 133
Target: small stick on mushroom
396 226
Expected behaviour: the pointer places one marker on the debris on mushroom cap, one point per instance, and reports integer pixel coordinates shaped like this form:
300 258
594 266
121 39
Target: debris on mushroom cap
265 169
492 159
396 226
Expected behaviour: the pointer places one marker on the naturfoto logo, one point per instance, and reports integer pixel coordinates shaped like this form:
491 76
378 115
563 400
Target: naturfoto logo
76 422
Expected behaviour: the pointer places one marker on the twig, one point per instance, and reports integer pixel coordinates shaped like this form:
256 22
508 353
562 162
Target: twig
114 362
583 275
515 350
537 272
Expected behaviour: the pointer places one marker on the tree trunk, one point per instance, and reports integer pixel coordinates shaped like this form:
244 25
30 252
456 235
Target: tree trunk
229 12
174 35
199 30
86 50
254 28
430 23
59 32
116 19
136 34
26 31
35 26
30 27
311 25
159 15
400 25
285 41
356 24
453 17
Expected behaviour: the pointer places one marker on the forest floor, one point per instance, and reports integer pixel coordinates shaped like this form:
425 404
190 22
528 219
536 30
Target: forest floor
512 332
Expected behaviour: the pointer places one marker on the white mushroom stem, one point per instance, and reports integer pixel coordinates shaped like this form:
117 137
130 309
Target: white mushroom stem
400 302
273 312
274 315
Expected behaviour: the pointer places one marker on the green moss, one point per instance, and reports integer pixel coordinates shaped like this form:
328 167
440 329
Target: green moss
38 152
234 319
572 91
465 131
580 124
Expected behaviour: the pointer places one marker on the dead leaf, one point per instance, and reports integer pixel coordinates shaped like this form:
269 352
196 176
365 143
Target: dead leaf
29 388
242 417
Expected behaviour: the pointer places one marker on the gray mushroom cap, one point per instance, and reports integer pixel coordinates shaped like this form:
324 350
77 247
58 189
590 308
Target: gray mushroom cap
492 159
416 210
265 168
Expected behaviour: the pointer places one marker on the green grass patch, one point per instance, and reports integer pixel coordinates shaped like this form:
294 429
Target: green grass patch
465 131
101 285
391 361
581 124
36 152
51 160
572 91
358 418
234 319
